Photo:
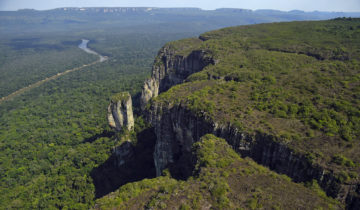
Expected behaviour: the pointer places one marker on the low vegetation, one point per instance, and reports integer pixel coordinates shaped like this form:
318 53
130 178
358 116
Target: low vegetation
122 96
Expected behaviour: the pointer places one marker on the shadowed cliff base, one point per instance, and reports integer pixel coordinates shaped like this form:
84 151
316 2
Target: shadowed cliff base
183 167
128 163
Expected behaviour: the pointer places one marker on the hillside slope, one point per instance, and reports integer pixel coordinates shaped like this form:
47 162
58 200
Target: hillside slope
222 180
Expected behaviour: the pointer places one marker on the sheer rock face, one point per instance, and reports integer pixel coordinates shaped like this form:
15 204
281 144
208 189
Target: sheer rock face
177 128
120 113
170 69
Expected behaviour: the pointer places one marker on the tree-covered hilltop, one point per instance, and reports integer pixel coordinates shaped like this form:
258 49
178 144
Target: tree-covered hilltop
284 94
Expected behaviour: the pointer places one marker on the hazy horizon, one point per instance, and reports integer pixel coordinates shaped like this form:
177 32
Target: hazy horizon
283 5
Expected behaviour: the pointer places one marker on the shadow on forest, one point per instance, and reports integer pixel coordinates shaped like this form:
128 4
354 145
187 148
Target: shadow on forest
33 43
127 164
105 133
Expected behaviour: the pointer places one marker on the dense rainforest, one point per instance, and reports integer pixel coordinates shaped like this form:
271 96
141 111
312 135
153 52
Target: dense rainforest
54 137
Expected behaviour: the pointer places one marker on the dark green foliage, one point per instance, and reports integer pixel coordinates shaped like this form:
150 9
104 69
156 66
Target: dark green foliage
28 65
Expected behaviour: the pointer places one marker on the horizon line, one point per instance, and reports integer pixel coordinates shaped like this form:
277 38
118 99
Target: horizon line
305 11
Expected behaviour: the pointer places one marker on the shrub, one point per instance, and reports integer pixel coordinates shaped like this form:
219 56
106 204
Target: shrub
343 161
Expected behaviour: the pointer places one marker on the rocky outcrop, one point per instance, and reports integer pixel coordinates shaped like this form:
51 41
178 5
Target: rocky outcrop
177 129
120 113
170 69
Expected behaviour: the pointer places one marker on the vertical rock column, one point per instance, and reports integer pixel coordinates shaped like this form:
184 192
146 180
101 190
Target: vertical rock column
120 113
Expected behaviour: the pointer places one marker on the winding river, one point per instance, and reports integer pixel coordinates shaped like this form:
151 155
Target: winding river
83 46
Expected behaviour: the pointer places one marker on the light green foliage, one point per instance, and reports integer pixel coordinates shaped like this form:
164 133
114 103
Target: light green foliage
313 184
341 160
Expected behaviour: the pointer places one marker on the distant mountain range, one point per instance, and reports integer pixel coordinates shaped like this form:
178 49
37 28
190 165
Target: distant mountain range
29 20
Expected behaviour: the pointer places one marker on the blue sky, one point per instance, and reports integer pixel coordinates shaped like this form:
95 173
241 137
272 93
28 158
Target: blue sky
306 5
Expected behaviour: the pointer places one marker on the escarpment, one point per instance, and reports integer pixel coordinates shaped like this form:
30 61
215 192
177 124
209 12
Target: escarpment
171 68
177 128
120 112
277 89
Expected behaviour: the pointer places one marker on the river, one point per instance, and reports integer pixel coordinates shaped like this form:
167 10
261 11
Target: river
83 46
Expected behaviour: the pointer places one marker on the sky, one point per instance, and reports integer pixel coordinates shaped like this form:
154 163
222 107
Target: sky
285 5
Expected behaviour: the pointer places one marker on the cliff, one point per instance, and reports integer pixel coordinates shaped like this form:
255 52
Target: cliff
120 114
270 100
172 66
177 128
